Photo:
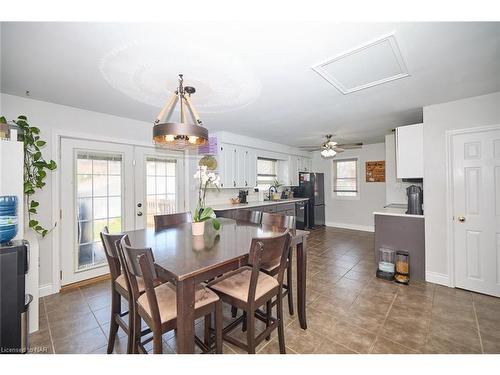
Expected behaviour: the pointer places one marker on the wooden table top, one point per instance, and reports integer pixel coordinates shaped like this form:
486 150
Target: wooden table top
184 255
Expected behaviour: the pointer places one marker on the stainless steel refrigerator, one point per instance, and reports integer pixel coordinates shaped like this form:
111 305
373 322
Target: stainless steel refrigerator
311 185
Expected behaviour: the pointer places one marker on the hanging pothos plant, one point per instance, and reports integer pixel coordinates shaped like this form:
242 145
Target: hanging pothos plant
35 169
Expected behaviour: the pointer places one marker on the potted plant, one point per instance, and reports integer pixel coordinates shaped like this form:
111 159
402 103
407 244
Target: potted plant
36 169
203 213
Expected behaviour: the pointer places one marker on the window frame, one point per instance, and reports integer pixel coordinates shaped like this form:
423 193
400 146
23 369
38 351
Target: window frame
334 178
276 175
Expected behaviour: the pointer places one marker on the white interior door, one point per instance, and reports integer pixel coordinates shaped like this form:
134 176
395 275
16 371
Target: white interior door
159 187
95 192
476 187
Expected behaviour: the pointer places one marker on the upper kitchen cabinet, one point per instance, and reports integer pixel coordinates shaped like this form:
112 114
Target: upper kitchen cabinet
237 166
410 151
296 164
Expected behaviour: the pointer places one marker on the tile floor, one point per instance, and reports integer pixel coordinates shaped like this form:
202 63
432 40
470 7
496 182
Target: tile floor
348 311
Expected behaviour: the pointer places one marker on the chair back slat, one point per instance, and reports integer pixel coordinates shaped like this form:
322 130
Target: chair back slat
132 259
111 251
277 220
170 220
249 216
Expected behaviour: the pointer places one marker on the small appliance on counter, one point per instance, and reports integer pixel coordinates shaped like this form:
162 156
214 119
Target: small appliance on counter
242 196
415 200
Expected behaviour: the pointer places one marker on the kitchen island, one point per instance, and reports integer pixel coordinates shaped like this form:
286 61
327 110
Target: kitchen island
397 230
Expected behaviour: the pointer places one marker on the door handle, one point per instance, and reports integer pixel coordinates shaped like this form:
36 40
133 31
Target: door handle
461 219
139 213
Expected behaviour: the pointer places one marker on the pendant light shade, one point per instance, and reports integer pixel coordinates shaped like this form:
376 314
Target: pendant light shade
183 134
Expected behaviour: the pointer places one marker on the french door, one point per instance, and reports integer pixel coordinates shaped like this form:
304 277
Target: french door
115 185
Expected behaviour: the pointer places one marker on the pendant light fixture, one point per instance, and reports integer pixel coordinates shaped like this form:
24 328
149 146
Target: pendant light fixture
183 134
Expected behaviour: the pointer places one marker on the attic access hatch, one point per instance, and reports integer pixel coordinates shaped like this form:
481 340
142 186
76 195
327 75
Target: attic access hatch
366 66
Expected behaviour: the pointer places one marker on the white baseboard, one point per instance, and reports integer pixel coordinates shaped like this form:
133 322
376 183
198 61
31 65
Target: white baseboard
364 228
437 278
45 290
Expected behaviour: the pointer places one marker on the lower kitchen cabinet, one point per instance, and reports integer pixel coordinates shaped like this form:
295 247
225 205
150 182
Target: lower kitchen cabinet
280 208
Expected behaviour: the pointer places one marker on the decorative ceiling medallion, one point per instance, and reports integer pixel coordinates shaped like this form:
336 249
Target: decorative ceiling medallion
223 82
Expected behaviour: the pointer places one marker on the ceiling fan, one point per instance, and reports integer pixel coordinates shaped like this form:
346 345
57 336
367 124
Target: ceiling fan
329 148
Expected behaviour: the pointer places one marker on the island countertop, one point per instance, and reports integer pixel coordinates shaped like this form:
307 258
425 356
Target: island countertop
396 210
229 206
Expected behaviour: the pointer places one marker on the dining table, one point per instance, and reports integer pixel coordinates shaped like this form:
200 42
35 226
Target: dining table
187 260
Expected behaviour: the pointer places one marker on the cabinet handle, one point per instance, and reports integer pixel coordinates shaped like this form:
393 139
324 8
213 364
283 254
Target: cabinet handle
234 183
246 183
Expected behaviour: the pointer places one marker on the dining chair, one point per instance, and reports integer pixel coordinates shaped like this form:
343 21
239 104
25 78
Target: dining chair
119 289
281 221
158 305
248 288
170 220
248 216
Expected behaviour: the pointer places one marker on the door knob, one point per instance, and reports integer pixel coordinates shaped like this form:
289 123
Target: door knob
139 213
461 219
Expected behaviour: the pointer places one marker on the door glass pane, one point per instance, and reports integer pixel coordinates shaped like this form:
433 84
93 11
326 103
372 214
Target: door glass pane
160 188
99 204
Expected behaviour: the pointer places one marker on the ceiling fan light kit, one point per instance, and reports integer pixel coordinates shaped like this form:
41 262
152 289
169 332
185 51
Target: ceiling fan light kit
183 134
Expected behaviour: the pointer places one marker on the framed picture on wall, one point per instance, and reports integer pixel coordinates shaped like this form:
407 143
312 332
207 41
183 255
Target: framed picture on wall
375 171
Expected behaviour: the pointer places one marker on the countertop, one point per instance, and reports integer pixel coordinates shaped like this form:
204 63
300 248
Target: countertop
229 206
396 210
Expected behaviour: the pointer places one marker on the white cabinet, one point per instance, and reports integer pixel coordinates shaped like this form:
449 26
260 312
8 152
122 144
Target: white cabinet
410 151
237 166
293 170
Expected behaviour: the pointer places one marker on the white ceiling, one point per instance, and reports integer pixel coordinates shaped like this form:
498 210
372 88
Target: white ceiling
251 78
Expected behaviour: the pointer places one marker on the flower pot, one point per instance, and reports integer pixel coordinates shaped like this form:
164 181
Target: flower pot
198 228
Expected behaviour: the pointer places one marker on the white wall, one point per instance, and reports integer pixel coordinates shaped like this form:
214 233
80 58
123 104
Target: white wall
355 214
438 119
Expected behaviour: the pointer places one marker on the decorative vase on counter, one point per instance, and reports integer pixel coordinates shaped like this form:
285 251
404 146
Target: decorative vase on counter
8 218
198 228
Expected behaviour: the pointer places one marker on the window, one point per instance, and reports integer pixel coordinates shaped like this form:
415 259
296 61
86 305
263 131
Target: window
345 177
99 204
266 173
160 188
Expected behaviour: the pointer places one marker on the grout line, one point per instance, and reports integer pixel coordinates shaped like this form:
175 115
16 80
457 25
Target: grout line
379 331
48 326
430 319
477 325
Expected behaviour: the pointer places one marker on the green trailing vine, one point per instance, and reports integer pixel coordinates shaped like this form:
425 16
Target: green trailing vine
35 169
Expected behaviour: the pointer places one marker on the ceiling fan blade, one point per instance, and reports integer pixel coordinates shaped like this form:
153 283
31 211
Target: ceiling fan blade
338 149
349 146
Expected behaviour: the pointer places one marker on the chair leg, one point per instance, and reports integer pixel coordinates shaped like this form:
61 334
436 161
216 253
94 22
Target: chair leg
157 342
218 327
136 334
250 317
113 326
268 316
281 329
244 325
208 324
130 338
289 284
234 311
